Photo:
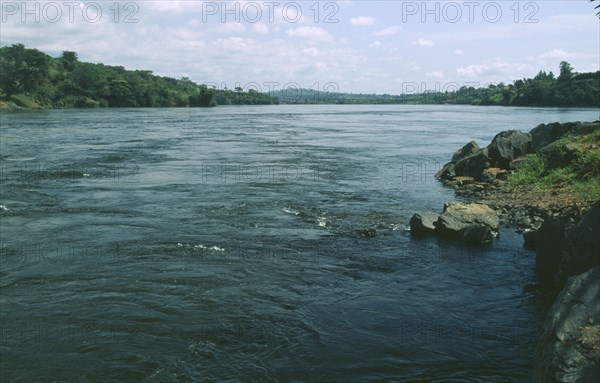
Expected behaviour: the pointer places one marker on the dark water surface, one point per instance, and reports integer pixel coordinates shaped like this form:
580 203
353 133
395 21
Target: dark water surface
227 244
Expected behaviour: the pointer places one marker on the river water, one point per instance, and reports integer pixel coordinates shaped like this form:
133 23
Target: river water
236 244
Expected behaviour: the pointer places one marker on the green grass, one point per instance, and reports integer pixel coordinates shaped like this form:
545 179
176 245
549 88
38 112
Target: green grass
581 176
588 190
530 171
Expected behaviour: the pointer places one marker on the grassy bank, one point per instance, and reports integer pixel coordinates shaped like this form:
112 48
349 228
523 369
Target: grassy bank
568 166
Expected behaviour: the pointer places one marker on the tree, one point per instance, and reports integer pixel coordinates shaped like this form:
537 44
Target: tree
23 69
566 71
68 59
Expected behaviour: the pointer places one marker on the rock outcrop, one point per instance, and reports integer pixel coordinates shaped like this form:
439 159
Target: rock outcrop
569 349
465 151
469 223
473 165
475 162
549 240
508 146
562 252
581 250
545 134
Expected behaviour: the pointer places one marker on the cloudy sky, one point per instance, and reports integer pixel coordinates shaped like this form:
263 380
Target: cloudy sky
349 46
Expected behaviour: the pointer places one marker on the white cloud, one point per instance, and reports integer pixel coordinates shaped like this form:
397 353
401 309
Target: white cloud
423 42
311 33
362 21
375 44
314 52
387 31
231 28
436 74
260 28
561 54
473 70
491 69
458 52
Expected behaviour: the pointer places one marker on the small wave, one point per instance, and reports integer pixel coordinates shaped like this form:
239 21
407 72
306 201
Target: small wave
21 159
290 211
200 247
3 208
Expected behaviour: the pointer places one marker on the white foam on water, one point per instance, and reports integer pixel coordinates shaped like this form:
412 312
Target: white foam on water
290 211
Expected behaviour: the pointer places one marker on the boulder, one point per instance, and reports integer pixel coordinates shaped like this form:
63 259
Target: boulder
477 234
530 239
473 165
466 151
508 146
569 349
549 240
581 250
584 128
460 221
447 172
422 223
559 155
545 134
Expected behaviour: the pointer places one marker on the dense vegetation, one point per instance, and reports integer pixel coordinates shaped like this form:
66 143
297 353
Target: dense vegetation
569 89
570 164
30 78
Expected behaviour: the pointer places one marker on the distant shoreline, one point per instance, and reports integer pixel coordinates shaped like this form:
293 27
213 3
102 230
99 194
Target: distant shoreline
9 106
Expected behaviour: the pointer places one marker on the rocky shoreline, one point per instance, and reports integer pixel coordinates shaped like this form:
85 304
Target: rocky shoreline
563 228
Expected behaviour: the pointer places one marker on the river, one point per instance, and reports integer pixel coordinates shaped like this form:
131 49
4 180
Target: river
236 244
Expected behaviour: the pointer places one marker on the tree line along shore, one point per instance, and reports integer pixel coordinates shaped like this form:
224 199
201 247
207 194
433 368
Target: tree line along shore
32 79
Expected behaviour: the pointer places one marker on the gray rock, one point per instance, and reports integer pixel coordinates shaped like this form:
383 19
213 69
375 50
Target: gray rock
581 250
549 244
559 155
447 172
477 234
422 223
466 151
545 134
584 128
458 221
473 165
508 146
530 239
369 233
566 352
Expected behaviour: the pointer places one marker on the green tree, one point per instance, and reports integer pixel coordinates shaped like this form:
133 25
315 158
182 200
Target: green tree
68 59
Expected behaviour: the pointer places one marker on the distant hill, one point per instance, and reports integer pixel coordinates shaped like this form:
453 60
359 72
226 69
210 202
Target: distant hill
569 89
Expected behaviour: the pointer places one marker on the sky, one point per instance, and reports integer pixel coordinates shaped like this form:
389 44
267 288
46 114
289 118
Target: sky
379 47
